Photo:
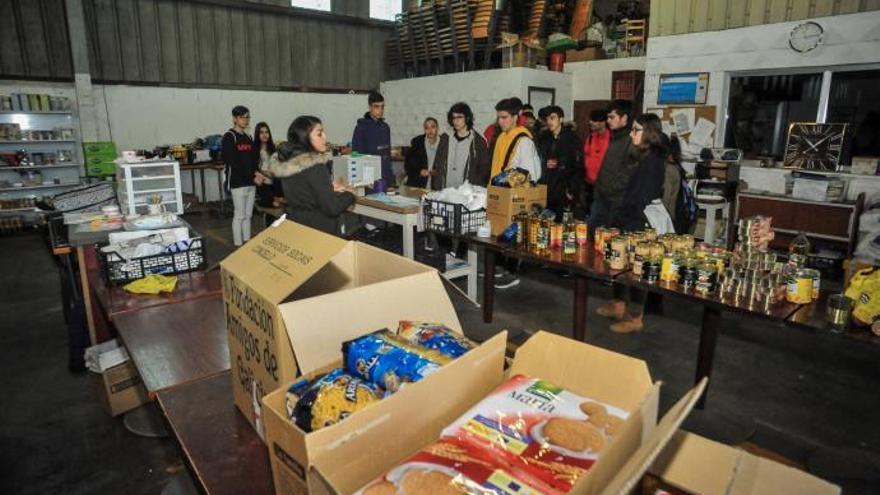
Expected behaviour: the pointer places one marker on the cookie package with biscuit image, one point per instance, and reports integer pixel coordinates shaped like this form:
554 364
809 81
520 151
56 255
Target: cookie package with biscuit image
451 466
435 336
541 428
388 361
329 399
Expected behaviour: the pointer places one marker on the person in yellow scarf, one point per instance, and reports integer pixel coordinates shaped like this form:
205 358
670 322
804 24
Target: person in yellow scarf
514 146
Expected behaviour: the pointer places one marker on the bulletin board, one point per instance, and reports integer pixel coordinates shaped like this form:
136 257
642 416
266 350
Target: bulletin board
699 130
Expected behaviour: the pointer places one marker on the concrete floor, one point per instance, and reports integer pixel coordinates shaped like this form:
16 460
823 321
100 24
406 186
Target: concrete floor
787 391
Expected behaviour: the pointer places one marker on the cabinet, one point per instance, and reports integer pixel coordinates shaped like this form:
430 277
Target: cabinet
138 182
40 155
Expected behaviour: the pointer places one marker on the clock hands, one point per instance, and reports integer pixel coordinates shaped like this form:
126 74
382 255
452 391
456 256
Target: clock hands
815 145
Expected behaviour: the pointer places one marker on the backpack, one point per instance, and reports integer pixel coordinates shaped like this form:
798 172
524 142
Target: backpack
685 205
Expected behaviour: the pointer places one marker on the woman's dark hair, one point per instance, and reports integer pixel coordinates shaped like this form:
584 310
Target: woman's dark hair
298 141
673 150
462 108
652 135
270 145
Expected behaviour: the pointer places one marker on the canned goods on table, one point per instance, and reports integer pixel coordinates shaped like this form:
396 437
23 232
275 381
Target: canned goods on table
800 288
618 256
707 278
669 268
651 269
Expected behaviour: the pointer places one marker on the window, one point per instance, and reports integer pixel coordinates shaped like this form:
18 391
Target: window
760 108
853 100
385 9
312 4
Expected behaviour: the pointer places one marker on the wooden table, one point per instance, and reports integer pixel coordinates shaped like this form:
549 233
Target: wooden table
116 301
405 216
811 317
173 345
585 265
220 448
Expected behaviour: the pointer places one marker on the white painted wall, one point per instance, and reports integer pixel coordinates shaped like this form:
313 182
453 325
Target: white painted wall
409 101
849 40
591 80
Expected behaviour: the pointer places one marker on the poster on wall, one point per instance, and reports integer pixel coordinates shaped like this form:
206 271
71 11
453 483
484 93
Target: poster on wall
683 89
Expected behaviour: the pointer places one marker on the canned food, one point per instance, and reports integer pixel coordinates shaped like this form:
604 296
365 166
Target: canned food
641 252
817 279
651 270
556 235
569 242
657 250
707 278
533 225
668 241
581 233
669 268
650 234
800 288
599 239
618 255
687 274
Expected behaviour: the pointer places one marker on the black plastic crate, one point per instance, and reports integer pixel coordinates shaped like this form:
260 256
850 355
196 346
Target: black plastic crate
451 218
118 270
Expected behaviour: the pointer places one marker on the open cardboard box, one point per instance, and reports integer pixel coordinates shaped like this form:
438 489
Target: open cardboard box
502 203
692 464
586 370
293 295
359 446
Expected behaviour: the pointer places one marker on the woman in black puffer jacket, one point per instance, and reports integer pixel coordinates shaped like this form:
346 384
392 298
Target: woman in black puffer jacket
302 164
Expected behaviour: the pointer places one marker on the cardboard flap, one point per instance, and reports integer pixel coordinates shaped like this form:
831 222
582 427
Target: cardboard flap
699 465
318 326
556 359
755 475
280 259
654 441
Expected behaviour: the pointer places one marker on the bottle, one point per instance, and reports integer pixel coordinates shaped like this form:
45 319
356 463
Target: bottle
798 250
570 239
543 246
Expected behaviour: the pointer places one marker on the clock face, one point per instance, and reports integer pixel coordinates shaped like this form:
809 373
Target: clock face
806 37
814 146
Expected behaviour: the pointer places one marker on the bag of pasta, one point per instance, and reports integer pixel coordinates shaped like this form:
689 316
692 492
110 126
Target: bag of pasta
864 290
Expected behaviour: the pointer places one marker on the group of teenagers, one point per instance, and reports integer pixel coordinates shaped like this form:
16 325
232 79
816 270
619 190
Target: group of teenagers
624 167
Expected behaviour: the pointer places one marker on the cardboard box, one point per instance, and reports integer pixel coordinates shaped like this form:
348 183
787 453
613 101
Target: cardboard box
293 295
502 203
119 384
591 53
583 369
694 464
401 423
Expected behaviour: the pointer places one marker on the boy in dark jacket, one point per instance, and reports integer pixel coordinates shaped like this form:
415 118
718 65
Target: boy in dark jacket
426 155
618 165
560 152
242 175
372 136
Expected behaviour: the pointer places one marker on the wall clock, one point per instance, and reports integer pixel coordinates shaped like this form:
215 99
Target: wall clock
806 37
814 146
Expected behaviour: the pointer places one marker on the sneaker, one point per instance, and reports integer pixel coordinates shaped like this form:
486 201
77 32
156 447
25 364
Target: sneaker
507 283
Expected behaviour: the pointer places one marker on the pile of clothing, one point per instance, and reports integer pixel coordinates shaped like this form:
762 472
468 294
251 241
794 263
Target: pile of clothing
471 196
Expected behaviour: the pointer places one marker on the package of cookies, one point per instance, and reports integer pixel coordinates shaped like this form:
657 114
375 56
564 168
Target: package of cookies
541 428
329 399
454 466
386 360
435 336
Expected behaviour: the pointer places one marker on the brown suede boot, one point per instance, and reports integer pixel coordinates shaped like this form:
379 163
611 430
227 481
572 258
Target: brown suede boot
614 308
628 324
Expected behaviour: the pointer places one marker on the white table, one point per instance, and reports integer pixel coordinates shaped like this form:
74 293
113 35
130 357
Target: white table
409 217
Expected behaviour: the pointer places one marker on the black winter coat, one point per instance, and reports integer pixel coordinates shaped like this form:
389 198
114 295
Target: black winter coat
308 189
645 185
561 166
417 159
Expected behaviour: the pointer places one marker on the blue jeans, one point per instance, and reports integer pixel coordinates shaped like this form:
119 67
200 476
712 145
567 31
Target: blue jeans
600 214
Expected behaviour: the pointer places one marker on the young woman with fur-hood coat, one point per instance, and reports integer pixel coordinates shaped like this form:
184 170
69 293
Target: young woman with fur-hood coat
302 164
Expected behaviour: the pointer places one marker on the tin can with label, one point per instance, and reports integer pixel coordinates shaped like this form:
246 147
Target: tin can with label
534 225
569 239
707 278
640 254
650 234
599 239
617 258
817 282
657 250
669 268
610 234
800 288
687 274
556 231
651 270
581 233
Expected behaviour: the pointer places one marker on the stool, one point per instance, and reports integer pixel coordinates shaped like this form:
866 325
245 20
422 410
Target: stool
711 207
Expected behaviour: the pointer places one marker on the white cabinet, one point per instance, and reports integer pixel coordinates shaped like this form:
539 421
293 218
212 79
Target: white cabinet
139 183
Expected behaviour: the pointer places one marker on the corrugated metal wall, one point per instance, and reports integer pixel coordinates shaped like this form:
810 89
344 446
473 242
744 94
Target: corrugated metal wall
220 43
33 40
693 16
